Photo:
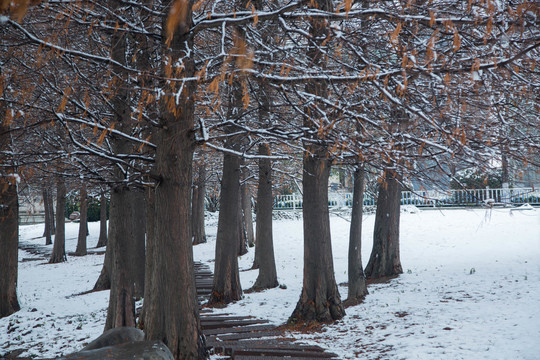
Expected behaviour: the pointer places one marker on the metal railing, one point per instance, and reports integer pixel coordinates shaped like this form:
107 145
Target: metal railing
429 198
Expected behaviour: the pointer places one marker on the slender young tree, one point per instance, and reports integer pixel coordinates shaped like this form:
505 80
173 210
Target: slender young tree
357 280
385 260
246 208
199 193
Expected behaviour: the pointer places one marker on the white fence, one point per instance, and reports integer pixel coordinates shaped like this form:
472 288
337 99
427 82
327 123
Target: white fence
432 198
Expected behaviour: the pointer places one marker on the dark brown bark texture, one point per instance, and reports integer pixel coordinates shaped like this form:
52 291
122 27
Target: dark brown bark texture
139 237
246 209
320 300
357 280
47 232
59 245
9 238
121 311
83 225
226 287
172 316
242 238
267 277
102 241
199 193
385 260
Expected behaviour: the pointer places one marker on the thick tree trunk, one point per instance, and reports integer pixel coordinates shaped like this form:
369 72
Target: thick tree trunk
265 244
357 280
199 234
83 225
384 260
150 289
9 238
172 315
139 237
102 241
59 246
226 287
47 232
121 310
246 209
320 299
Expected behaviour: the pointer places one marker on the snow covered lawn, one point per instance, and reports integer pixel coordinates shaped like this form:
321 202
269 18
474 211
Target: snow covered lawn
470 290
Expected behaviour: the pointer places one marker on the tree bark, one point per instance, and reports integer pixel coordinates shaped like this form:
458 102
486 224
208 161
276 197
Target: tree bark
102 241
173 314
320 300
384 260
121 311
139 237
357 280
9 233
226 287
267 277
199 234
59 246
242 238
47 232
83 225
51 212
246 209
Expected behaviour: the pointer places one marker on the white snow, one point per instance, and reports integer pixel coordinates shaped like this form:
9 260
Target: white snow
470 290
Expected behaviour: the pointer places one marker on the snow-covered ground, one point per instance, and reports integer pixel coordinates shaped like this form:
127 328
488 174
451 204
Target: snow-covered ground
470 290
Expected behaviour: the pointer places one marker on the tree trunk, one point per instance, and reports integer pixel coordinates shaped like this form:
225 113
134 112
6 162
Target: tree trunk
102 241
150 290
83 225
59 246
9 236
172 315
384 260
51 212
320 299
199 234
226 287
265 244
121 311
47 232
357 280
246 208
104 280
242 238
139 236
